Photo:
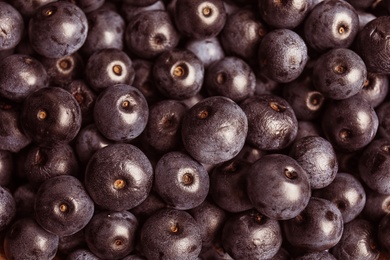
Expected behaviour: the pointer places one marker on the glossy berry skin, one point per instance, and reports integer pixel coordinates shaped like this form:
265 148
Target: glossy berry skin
384 121
318 158
375 89
27 8
141 2
151 33
7 167
181 182
62 205
318 227
349 124
306 102
7 208
84 254
376 207
242 34
62 71
58 29
199 19
106 30
338 23
121 113
323 255
207 50
178 74
108 67
148 207
282 55
284 14
21 75
339 74
112 235
12 136
272 122
374 37
11 27
250 235
347 193
214 130
88 141
44 162
278 186
228 185
230 77
170 234
357 242
210 219
162 132
384 233
143 80
41 243
373 165
128 10
51 115
128 184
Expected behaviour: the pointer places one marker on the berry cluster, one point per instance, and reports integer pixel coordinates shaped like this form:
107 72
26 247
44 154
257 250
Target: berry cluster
194 129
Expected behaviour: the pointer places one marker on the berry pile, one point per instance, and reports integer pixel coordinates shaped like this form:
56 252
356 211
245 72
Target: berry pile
194 129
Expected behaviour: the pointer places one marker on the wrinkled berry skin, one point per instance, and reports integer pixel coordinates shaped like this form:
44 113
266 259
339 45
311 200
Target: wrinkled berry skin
278 186
27 240
249 235
318 227
331 24
129 181
111 235
11 26
214 130
374 164
21 75
171 234
282 55
272 122
318 158
62 205
58 29
51 115
121 113
373 45
349 124
357 242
